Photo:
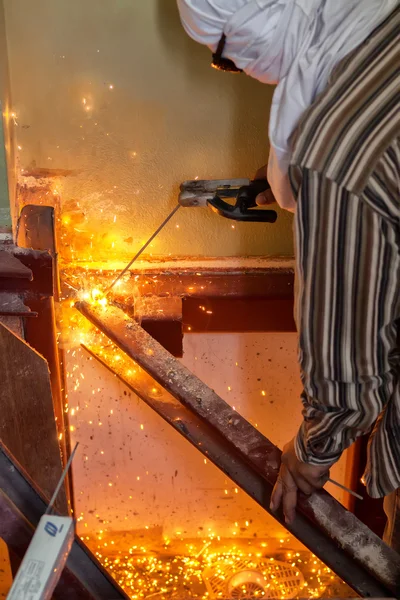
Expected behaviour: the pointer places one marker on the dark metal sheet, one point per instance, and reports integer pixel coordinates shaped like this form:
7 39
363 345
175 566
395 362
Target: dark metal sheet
21 508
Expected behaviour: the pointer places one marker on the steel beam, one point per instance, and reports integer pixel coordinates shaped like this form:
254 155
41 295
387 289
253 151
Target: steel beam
36 230
197 281
335 535
41 265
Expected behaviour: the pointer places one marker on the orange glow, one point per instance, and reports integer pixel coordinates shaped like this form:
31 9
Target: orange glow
177 569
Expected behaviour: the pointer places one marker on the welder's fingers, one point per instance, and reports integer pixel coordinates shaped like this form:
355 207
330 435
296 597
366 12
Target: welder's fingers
265 198
285 493
290 503
277 495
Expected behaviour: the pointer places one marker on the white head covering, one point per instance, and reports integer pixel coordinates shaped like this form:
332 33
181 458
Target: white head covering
294 43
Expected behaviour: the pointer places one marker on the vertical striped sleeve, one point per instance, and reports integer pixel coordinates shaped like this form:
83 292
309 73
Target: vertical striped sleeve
348 273
345 174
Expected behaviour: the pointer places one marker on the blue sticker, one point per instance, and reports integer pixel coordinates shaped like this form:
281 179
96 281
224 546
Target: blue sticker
51 529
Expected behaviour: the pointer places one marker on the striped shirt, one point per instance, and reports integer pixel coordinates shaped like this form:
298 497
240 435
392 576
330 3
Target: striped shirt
345 174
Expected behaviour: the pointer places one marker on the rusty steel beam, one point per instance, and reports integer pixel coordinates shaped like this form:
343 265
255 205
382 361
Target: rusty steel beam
12 305
214 315
161 318
238 314
188 282
41 265
12 267
215 448
21 507
215 284
345 544
36 230
255 297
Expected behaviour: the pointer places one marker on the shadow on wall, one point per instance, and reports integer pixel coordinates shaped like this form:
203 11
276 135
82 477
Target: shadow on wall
252 99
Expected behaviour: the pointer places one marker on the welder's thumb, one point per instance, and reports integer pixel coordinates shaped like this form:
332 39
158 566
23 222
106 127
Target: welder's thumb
265 198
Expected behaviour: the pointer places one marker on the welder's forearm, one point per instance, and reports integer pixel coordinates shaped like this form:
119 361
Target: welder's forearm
304 452
346 312
348 412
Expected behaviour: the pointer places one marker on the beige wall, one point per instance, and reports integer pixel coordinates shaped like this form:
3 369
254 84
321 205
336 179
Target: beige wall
169 117
6 126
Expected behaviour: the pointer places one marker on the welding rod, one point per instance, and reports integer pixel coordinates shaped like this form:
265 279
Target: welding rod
143 248
62 478
343 487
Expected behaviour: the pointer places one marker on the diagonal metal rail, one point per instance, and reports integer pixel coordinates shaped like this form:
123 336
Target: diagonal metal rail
323 525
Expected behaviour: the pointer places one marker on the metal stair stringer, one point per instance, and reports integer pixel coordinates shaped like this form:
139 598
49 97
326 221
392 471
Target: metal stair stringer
323 525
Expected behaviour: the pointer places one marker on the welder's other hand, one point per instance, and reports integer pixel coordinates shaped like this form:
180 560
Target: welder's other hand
295 475
266 197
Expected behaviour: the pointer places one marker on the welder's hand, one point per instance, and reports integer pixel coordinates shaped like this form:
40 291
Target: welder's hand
295 475
266 197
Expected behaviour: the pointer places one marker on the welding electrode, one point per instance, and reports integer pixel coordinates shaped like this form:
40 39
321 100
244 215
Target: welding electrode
143 248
